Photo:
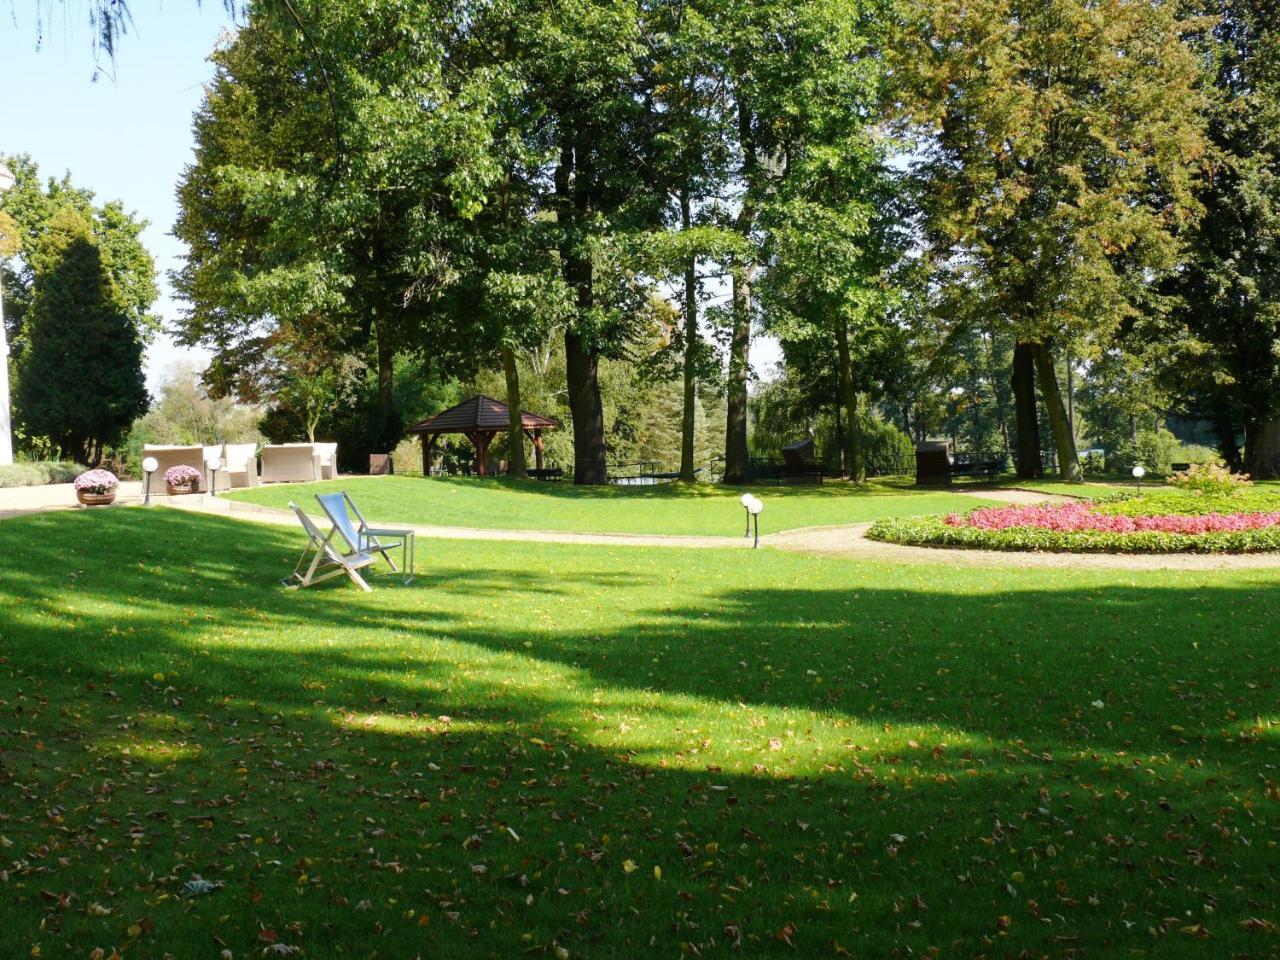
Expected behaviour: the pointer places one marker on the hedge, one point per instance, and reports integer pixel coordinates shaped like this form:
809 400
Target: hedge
38 473
936 532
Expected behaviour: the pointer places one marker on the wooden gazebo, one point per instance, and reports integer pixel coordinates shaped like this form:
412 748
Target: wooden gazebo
479 420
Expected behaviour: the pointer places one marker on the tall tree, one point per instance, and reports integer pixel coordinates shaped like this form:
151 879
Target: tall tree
691 150
831 242
32 204
1227 327
1059 143
337 161
82 383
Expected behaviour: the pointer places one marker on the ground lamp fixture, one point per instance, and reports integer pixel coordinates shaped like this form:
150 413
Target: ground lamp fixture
7 180
149 466
753 507
1138 473
212 465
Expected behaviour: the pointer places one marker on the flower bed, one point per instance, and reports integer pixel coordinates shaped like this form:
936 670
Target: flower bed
1178 523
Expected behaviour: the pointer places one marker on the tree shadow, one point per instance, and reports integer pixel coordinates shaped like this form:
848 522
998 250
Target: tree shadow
942 779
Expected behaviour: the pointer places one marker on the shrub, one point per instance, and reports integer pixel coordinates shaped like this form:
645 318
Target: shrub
1211 479
936 532
1156 449
97 481
1190 504
887 450
39 472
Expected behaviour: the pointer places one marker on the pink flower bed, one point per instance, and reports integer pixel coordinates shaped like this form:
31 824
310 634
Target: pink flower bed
1068 517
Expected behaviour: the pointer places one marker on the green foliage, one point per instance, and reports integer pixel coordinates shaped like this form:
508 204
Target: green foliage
37 472
185 414
1211 479
1194 503
81 384
935 532
889 451
1156 449
30 207
1221 347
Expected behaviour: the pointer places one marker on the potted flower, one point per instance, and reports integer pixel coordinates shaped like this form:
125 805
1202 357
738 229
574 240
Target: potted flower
182 479
95 488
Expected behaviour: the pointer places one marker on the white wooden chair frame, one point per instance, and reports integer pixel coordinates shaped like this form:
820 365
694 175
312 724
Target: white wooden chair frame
321 560
362 538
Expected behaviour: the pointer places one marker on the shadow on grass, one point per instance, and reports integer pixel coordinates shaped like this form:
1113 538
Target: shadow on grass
862 761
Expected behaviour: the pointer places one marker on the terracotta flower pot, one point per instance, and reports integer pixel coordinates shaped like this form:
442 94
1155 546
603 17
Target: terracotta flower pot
179 489
96 499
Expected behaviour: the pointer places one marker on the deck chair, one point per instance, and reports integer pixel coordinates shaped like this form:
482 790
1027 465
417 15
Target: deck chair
362 538
321 560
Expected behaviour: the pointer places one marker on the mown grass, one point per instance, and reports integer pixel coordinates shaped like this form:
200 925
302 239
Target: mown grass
605 752
671 509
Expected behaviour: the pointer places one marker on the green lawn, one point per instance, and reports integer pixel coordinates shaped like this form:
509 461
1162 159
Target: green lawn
700 510
609 752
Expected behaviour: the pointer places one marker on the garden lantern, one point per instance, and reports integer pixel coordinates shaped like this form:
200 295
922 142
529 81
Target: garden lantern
753 516
1138 473
212 465
149 466
745 500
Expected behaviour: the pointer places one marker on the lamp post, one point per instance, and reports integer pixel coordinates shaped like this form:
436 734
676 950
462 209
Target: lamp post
212 465
149 466
7 180
1138 473
745 500
753 510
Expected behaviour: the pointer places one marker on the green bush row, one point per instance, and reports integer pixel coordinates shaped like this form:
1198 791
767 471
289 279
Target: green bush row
1190 504
935 532
40 472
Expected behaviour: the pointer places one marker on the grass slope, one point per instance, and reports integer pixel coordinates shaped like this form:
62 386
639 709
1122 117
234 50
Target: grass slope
601 752
673 509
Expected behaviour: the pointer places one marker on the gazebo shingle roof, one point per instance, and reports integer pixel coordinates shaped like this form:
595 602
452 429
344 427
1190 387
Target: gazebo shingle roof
479 413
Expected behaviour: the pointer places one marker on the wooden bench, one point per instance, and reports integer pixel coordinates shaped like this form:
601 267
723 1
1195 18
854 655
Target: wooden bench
935 464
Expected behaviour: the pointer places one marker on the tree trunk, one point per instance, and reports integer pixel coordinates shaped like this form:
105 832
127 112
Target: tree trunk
688 417
581 361
1064 443
515 431
852 439
1262 448
743 273
587 412
1225 429
1024 408
844 466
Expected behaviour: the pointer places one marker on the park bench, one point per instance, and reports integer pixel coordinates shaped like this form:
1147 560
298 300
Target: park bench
935 464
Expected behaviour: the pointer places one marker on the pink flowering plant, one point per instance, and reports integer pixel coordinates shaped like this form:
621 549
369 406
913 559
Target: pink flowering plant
1168 523
181 476
1079 515
97 482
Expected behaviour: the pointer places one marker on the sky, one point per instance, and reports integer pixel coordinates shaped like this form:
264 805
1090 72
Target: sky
123 128
125 135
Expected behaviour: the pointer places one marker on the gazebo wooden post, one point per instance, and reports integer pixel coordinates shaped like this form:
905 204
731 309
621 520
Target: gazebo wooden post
428 442
537 448
481 440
